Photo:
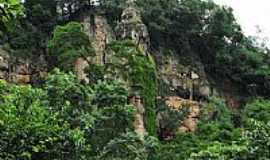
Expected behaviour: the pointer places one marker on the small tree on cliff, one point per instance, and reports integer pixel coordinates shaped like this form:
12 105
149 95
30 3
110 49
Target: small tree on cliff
69 42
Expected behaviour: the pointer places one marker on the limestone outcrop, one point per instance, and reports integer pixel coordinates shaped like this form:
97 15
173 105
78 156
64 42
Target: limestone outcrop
138 124
190 122
184 81
187 85
22 70
4 64
131 27
99 33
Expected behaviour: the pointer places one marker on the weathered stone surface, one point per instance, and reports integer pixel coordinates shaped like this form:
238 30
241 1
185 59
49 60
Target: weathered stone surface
101 38
19 71
20 79
131 27
184 81
22 70
80 66
4 56
139 126
205 91
99 33
3 75
190 122
3 63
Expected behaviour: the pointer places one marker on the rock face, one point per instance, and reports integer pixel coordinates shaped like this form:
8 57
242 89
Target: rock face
184 87
99 33
22 70
184 81
4 64
102 35
79 68
190 122
139 116
131 27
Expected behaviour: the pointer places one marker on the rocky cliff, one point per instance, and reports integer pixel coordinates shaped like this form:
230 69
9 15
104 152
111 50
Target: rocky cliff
22 70
179 84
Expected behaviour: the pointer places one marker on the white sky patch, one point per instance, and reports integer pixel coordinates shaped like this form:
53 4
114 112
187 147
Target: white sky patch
251 14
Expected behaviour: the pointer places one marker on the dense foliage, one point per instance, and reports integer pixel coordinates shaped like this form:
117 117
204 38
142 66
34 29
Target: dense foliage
69 42
259 110
64 118
10 10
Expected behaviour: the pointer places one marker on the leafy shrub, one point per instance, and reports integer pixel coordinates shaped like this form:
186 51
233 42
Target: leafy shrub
258 134
216 111
116 115
169 119
28 131
42 14
64 88
130 146
258 110
220 151
257 124
68 43
9 10
110 94
95 73
24 40
62 120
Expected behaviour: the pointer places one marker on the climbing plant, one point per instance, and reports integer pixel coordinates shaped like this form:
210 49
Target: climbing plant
68 43
139 70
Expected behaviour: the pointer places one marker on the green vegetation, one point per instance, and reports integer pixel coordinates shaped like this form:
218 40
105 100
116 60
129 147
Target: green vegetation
113 10
257 124
69 42
42 14
215 137
130 146
197 29
258 110
65 118
140 72
258 135
10 10
61 119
